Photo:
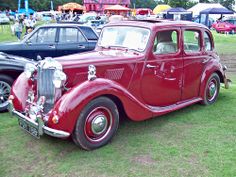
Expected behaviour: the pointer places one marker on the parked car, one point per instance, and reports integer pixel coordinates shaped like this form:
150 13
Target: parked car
225 26
97 25
144 68
87 16
10 68
53 40
4 19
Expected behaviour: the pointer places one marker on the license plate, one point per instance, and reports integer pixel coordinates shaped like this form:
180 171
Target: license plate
28 128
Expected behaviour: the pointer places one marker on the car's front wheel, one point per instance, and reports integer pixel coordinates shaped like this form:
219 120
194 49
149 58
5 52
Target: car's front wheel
96 124
5 88
212 89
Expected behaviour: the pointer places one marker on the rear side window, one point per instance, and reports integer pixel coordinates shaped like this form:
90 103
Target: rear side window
166 42
207 42
71 35
89 33
191 41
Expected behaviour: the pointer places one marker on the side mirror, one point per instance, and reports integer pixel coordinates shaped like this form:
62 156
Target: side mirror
39 58
28 42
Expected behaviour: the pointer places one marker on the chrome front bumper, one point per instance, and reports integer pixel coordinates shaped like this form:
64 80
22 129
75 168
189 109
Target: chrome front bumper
38 126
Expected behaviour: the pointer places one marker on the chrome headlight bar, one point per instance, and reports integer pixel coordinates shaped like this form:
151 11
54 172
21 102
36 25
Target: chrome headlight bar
29 70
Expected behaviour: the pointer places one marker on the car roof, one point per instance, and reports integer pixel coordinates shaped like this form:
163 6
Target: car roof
158 22
62 24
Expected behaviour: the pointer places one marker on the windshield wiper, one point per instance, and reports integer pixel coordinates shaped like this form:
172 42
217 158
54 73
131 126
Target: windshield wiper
121 47
135 50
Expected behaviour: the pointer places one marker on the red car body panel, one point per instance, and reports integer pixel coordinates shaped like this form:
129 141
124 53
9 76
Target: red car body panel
175 81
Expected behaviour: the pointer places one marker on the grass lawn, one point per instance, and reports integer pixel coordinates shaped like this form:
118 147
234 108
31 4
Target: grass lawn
195 141
225 44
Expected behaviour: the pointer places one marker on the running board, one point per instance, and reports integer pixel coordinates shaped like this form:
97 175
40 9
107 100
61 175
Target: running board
157 111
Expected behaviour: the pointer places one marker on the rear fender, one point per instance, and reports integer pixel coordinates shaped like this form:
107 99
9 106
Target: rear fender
209 70
69 106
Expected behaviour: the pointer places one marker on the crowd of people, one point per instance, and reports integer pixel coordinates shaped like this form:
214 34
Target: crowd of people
23 22
27 23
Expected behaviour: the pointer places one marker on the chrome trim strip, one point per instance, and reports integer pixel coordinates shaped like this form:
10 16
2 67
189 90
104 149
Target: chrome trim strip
45 129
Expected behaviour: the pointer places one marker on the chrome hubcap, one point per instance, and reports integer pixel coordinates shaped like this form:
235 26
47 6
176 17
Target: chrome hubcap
4 93
99 124
212 90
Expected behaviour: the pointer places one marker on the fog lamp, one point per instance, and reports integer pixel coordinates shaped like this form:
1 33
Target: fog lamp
55 119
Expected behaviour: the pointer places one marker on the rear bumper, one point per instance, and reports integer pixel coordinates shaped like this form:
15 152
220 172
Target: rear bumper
226 80
37 125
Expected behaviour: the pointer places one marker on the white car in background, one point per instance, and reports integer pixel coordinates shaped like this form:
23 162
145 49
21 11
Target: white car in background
4 19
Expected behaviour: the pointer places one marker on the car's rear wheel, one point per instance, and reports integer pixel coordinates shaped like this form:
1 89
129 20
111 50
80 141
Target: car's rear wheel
212 89
5 88
96 124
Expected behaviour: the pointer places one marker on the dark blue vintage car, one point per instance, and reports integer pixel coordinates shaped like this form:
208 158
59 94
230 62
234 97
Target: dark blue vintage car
53 40
10 68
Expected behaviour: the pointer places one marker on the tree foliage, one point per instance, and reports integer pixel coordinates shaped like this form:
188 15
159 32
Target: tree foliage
226 3
37 5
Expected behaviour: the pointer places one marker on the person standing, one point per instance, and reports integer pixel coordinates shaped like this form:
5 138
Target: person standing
30 24
18 27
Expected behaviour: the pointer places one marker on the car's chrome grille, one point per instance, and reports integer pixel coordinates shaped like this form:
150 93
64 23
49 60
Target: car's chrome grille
46 87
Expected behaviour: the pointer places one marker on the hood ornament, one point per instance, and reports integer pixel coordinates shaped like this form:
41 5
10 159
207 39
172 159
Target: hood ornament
91 72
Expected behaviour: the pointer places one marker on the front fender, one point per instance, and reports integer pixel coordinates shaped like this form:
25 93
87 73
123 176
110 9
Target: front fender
72 103
19 90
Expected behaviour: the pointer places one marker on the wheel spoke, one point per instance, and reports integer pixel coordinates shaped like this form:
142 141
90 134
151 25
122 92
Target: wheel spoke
4 93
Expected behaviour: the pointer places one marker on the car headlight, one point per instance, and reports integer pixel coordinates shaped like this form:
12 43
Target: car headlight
29 70
59 78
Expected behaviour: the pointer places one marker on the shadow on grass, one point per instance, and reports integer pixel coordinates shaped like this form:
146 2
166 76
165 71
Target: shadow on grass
129 128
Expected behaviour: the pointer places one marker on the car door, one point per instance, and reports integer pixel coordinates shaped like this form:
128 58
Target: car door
71 40
162 75
194 59
42 43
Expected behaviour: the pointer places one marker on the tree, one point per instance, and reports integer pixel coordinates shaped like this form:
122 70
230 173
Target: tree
141 4
204 1
226 3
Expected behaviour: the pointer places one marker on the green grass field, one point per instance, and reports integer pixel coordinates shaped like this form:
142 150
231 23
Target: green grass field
194 141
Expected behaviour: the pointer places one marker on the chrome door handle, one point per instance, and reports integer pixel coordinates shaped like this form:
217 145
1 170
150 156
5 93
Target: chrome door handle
81 46
52 46
150 66
172 69
205 60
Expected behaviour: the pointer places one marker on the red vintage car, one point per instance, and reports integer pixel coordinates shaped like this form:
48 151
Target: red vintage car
144 68
226 26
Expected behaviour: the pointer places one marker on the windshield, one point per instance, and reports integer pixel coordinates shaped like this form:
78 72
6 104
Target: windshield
125 36
231 21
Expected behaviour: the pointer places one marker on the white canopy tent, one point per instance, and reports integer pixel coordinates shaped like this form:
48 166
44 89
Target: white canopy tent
202 6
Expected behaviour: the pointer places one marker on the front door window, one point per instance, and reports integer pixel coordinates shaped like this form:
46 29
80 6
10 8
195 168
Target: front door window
162 78
44 36
165 42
